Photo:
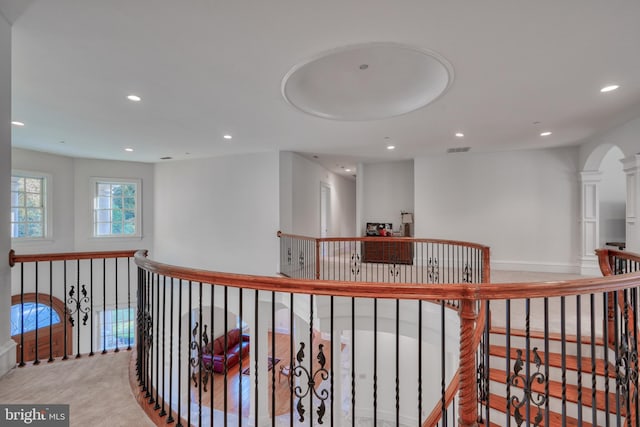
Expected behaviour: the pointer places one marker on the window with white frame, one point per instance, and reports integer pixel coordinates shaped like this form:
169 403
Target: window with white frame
28 205
116 208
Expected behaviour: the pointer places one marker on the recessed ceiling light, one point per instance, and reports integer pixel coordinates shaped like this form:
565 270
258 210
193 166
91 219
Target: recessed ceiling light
391 147
347 170
547 133
17 123
134 98
227 136
609 88
128 149
460 134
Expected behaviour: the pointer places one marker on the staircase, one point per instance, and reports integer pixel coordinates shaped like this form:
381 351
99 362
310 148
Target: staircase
581 390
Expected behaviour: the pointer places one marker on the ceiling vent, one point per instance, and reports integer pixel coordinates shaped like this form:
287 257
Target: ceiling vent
458 150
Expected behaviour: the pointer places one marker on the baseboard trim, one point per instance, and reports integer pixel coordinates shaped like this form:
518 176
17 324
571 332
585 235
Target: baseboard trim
538 267
7 356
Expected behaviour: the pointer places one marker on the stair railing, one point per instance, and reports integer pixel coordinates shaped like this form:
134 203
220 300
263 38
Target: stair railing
621 324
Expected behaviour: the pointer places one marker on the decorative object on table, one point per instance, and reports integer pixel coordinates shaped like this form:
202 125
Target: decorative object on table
375 229
407 220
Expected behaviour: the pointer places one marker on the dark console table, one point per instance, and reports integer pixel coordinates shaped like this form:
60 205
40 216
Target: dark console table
392 252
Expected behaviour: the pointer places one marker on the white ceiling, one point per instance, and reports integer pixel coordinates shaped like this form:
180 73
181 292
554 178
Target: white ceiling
205 68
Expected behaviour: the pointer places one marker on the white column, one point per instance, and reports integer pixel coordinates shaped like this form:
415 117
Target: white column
7 345
631 167
589 222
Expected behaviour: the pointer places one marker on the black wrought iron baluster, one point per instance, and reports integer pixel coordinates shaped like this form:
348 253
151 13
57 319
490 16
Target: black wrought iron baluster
104 304
375 361
152 348
179 412
579 354
620 347
21 364
116 350
605 340
189 367
291 329
240 321
273 358
226 351
634 369
50 312
170 417
398 362
91 353
443 402
563 356
37 359
508 360
164 336
66 311
254 344
213 328
419 360
157 346
592 310
202 337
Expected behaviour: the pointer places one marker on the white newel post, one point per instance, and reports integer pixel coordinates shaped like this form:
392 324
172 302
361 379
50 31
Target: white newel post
589 221
631 167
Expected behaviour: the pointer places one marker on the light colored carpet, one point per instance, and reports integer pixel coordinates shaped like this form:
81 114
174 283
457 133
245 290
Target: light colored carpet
96 388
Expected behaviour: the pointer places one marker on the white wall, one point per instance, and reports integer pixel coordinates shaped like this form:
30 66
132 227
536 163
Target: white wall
300 190
219 213
523 204
7 346
612 198
387 190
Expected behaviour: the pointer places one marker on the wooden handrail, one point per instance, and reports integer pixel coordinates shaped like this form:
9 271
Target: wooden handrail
460 291
386 239
62 256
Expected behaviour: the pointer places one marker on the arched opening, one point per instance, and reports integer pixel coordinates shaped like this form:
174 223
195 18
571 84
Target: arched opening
612 203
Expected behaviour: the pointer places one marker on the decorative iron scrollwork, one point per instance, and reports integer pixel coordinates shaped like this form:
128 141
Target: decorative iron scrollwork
146 327
433 270
301 259
289 256
483 384
355 263
627 361
467 274
518 379
77 305
394 270
312 380
203 359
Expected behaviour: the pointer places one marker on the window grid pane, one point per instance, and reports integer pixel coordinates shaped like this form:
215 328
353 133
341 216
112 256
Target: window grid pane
115 209
27 207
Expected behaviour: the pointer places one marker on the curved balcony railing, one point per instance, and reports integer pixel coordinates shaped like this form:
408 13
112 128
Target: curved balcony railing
372 353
